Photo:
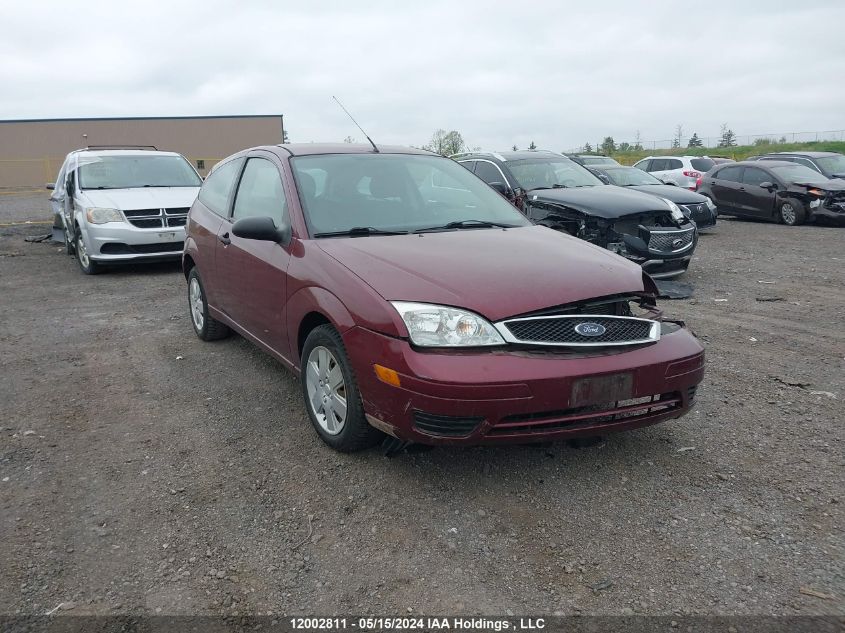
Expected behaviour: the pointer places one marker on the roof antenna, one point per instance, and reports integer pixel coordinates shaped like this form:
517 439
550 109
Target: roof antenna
375 149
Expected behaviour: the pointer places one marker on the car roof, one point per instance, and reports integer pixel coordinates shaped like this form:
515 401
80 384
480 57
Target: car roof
806 154
123 152
509 155
756 163
673 156
310 149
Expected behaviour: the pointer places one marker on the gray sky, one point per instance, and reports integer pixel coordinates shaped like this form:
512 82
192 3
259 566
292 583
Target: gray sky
558 73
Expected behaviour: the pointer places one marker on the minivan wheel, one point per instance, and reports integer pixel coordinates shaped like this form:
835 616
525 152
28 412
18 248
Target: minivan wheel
791 212
331 393
206 327
88 265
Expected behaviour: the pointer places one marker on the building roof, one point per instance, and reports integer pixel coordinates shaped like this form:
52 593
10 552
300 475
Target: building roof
145 118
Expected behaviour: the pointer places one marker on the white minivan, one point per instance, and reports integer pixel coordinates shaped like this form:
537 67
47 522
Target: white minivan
123 204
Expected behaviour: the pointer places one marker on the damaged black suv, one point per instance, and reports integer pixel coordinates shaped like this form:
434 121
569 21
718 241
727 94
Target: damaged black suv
557 192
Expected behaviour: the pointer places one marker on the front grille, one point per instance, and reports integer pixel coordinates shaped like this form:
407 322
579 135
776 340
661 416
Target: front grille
590 416
580 330
671 241
119 248
698 212
157 218
445 425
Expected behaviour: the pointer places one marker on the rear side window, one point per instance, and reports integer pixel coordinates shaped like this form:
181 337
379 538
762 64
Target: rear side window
260 192
702 164
731 174
488 172
754 176
674 163
217 188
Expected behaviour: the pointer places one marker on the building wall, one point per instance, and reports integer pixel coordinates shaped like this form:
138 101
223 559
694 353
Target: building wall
32 151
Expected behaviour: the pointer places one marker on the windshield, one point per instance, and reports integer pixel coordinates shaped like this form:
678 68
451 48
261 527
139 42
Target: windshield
540 173
128 172
832 164
395 192
630 177
797 173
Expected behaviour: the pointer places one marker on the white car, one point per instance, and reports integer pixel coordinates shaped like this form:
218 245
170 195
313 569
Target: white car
123 205
683 171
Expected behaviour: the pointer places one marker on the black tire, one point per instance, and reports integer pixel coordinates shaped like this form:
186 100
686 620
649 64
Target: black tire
792 212
205 326
86 264
355 434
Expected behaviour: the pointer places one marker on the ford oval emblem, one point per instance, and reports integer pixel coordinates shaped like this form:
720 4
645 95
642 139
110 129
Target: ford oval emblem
590 329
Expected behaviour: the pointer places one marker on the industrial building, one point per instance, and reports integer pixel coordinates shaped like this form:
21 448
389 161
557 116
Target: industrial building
32 150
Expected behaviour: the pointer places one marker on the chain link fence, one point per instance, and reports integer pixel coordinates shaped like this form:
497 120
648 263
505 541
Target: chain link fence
713 141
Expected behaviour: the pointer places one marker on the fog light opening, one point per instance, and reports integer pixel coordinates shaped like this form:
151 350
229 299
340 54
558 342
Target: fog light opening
387 376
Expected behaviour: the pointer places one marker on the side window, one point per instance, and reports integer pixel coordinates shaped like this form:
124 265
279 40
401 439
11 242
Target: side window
674 163
807 163
754 176
643 164
260 192
658 164
468 164
217 188
488 172
731 174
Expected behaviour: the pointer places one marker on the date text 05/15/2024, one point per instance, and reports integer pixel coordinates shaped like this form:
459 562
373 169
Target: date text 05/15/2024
418 623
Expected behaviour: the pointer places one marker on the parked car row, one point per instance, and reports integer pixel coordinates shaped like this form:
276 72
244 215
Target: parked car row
412 299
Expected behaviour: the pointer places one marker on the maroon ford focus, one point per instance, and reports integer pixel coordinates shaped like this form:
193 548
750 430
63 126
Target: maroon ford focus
413 300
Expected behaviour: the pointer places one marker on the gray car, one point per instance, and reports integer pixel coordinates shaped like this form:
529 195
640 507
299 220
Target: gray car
123 205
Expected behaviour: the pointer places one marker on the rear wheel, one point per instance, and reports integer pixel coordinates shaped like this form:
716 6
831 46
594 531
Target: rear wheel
88 265
792 212
331 393
206 327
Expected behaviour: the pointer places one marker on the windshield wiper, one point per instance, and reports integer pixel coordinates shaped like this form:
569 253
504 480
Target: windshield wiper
468 224
554 186
359 231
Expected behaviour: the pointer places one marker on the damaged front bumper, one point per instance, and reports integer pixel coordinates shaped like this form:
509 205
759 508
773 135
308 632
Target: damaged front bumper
662 252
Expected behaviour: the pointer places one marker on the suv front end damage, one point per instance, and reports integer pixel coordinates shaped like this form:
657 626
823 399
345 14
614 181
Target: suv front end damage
657 241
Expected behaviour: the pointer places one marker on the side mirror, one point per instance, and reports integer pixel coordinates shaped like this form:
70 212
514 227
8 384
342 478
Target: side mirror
768 184
50 186
262 228
603 178
501 187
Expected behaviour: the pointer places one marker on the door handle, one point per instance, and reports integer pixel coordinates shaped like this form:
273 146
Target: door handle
742 188
224 239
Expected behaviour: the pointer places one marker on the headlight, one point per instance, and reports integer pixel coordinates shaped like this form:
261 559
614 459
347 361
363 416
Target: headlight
99 215
440 326
677 214
710 204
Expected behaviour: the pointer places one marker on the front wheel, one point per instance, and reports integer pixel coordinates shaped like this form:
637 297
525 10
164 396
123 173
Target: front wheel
331 393
88 265
791 212
205 326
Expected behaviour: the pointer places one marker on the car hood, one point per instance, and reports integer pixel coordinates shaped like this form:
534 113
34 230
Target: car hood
830 185
142 197
496 273
604 201
678 195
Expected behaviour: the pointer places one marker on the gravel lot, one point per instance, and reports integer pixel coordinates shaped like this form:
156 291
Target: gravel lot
145 471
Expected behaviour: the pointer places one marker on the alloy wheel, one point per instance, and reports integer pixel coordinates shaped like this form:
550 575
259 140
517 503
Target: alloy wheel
195 296
787 212
326 389
82 252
